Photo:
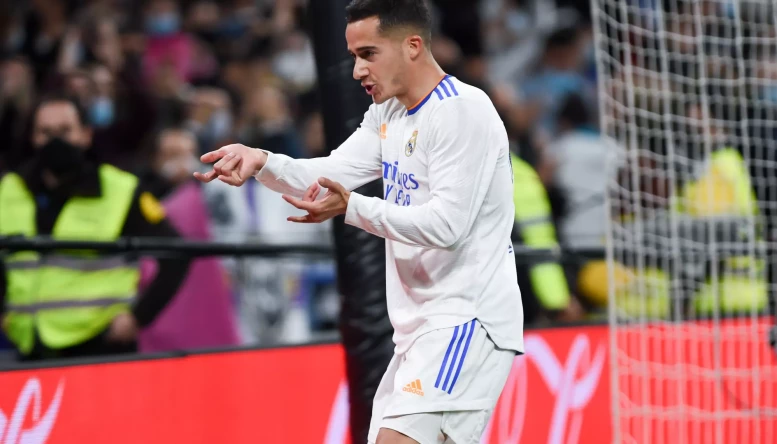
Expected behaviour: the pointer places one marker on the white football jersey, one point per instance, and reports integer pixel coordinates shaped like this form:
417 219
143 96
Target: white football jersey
446 212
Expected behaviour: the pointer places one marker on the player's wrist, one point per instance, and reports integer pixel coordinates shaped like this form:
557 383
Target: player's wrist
346 199
262 157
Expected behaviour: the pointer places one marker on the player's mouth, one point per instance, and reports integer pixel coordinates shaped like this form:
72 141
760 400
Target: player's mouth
369 88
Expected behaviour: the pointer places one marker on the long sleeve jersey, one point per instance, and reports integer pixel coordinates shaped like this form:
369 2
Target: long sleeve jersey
446 214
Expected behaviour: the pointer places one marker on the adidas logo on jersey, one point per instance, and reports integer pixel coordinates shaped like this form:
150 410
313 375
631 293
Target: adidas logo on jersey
414 388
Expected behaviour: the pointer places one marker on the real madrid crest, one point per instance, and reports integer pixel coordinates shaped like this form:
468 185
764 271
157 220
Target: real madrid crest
410 147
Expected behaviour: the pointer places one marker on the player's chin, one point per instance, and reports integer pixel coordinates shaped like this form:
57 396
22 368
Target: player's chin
379 98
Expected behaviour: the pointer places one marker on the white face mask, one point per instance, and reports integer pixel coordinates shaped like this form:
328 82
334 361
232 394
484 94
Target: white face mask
173 170
297 67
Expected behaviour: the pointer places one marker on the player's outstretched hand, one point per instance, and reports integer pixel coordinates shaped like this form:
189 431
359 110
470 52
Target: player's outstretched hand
334 202
234 164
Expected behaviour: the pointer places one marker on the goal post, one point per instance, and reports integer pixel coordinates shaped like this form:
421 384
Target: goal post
688 91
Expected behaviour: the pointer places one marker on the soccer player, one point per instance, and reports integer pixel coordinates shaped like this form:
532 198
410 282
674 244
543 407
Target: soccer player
446 214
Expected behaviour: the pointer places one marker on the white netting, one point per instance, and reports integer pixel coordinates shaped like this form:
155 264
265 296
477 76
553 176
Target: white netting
688 89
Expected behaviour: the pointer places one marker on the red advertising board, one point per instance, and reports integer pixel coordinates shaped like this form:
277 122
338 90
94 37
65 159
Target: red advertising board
295 395
273 396
698 382
559 392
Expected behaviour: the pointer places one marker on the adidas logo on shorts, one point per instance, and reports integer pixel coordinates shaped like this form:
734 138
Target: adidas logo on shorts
414 388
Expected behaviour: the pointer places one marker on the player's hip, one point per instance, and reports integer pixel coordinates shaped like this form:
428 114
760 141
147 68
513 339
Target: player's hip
453 368
501 315
412 323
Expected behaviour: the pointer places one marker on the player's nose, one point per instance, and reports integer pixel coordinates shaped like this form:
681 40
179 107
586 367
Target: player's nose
359 70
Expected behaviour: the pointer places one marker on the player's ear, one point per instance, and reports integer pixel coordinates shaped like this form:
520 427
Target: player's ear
415 46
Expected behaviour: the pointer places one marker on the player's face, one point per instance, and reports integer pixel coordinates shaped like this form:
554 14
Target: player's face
379 59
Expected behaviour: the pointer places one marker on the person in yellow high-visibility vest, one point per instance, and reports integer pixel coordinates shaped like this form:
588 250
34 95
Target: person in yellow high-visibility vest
722 190
725 189
544 287
76 303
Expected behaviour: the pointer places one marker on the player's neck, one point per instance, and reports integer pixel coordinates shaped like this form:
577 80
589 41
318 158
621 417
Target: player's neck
426 79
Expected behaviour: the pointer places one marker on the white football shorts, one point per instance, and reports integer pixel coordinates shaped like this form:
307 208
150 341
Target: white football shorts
444 388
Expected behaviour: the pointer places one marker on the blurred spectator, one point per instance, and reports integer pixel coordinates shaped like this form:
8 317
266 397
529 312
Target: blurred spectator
16 100
169 49
87 304
558 74
461 32
94 67
585 164
519 118
173 159
210 118
267 123
544 290
315 142
204 297
512 38
294 62
43 33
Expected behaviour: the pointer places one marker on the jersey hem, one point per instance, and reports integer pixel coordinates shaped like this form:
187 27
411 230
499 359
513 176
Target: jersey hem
512 344
506 344
440 323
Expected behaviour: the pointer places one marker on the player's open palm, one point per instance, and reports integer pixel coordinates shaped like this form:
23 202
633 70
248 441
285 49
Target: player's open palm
334 202
232 164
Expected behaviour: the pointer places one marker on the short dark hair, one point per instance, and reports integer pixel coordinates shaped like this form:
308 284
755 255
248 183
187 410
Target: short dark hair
574 111
394 14
562 37
62 98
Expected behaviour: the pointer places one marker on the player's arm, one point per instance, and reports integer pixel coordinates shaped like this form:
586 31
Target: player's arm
462 159
356 162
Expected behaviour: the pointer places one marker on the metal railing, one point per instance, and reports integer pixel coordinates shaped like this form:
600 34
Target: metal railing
155 246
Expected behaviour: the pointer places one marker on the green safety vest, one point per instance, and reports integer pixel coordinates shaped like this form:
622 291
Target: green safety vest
533 215
68 297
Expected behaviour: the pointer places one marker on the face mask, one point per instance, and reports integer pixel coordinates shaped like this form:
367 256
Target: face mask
517 22
163 24
101 112
220 125
297 67
61 158
173 170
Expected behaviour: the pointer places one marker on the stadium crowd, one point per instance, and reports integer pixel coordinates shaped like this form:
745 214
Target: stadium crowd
156 83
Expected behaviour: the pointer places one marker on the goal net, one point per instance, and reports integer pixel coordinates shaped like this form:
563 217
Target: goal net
688 90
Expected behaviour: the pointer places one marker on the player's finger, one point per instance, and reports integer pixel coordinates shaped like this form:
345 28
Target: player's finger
230 180
329 184
221 152
213 155
226 164
311 192
307 219
207 177
299 204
